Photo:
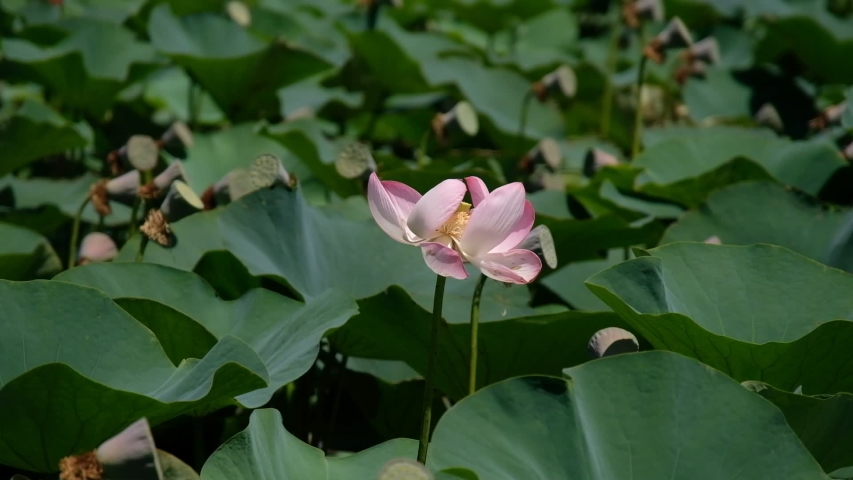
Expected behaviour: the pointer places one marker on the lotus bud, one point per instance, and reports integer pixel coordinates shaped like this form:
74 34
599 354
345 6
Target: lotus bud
561 81
462 117
96 247
612 341
713 240
130 454
121 189
355 161
768 116
828 116
239 13
675 35
596 159
404 469
163 181
546 152
541 242
267 170
633 12
178 135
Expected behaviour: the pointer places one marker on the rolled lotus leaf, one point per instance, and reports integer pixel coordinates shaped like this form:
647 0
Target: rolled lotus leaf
768 116
131 455
142 152
180 202
267 170
239 13
596 159
404 469
612 341
97 247
355 161
462 117
178 135
541 242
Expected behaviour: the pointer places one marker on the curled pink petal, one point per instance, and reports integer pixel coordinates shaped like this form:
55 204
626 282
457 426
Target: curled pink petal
519 231
478 190
513 266
444 260
435 208
494 220
391 203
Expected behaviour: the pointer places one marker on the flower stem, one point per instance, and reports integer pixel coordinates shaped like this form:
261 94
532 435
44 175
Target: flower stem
437 302
134 218
75 234
522 122
475 320
638 116
607 101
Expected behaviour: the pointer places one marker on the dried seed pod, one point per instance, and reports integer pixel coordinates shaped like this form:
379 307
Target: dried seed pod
239 13
596 159
829 116
130 454
674 35
404 469
634 11
122 189
695 69
541 242
706 50
142 152
267 170
562 81
355 161
713 240
546 152
96 247
163 181
768 116
612 341
462 117
847 152
178 135
180 202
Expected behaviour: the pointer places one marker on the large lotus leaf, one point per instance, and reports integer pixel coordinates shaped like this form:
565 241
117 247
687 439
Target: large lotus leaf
823 423
276 233
495 15
568 281
215 154
390 326
35 132
36 12
302 28
26 255
719 94
542 41
649 415
76 369
89 66
284 332
168 91
61 197
311 94
266 451
806 165
241 72
759 312
738 215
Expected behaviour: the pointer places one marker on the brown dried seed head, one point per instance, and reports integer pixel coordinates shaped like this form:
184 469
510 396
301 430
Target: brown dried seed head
81 467
100 197
438 127
654 51
156 228
149 191
629 15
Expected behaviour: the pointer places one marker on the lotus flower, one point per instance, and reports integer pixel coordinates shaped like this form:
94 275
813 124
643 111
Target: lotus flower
450 232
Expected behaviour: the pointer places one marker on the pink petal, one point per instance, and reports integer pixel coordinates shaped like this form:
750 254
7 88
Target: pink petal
519 231
435 208
478 190
444 261
513 266
391 203
494 220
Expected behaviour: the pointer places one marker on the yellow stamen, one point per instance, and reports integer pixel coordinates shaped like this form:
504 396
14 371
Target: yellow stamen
454 227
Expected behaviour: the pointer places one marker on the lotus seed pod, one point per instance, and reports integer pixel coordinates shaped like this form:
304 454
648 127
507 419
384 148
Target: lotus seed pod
649 9
122 189
178 135
829 116
404 469
355 161
706 50
180 202
674 35
546 152
142 152
462 117
240 184
561 81
596 159
612 341
541 242
175 171
768 116
96 247
848 151
713 240
239 13
267 170
131 454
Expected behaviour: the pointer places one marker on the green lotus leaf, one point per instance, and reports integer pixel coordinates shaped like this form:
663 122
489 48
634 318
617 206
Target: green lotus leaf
36 13
168 90
34 132
77 369
391 326
26 255
311 94
265 450
719 94
758 312
568 281
646 416
284 332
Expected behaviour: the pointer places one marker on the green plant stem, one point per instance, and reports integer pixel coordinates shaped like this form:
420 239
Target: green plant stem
475 321
336 404
134 212
192 105
437 303
75 234
140 254
522 122
638 116
422 148
607 101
